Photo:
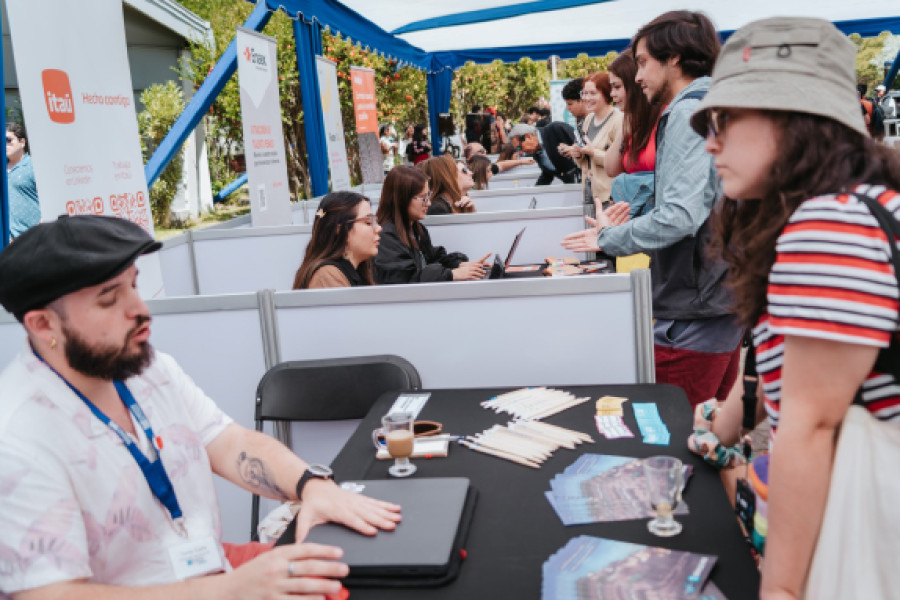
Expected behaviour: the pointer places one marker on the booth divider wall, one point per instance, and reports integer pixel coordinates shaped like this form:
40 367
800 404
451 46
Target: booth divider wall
522 197
233 261
12 338
246 260
573 330
179 265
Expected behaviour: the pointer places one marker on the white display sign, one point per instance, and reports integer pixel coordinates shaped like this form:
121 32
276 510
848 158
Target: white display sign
78 103
270 195
558 109
334 126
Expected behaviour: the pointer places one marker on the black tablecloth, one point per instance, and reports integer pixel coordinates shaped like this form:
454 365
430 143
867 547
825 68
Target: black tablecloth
515 529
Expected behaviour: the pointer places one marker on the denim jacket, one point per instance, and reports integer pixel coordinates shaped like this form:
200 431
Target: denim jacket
636 189
686 283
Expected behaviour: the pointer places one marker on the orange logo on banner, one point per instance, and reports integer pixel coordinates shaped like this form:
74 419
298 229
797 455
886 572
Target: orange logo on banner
363 83
58 96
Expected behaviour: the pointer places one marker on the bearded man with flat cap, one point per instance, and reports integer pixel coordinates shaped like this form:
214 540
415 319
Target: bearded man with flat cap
107 448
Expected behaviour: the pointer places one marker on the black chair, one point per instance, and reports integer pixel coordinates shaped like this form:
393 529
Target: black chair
331 389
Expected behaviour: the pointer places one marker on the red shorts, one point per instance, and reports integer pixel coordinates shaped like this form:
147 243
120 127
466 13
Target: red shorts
238 554
702 375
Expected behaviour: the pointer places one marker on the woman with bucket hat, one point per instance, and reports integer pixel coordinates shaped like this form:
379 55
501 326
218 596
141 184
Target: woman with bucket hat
805 226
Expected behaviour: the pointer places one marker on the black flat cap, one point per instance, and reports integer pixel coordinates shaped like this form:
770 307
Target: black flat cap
53 259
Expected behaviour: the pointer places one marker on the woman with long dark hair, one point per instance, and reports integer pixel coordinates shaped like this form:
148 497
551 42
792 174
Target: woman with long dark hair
344 241
406 254
419 149
446 195
634 150
481 171
810 264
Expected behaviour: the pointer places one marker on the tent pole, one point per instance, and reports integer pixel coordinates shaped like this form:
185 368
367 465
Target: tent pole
202 100
4 180
308 41
440 89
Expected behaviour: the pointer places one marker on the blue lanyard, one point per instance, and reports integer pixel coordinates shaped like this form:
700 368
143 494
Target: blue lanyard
154 471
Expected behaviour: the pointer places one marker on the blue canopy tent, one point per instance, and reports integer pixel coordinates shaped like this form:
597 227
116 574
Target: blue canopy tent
438 37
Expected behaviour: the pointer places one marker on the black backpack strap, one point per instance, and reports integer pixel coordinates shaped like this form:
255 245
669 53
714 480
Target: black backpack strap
661 128
751 384
889 358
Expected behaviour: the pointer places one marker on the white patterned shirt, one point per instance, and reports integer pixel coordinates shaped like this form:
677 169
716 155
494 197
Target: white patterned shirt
73 502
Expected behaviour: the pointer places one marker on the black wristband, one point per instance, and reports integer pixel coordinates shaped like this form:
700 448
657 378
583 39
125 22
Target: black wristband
313 472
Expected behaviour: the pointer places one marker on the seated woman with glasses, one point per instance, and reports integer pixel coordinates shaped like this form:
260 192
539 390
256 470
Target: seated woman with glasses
406 254
444 177
344 241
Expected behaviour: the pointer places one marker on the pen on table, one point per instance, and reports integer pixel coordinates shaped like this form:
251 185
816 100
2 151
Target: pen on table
444 437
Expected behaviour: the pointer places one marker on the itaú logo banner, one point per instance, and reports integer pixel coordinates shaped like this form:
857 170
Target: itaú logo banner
58 96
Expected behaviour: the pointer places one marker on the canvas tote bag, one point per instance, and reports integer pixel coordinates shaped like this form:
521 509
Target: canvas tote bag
858 552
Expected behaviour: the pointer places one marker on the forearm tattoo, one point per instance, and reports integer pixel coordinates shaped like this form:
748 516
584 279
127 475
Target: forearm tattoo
254 473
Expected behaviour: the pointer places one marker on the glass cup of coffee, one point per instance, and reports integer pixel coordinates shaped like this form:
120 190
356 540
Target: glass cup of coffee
664 483
397 431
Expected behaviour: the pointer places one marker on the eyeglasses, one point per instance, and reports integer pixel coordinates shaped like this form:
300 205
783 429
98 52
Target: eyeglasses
716 120
371 220
424 199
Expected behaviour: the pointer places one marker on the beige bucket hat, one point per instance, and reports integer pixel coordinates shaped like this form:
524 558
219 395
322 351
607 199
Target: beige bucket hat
788 64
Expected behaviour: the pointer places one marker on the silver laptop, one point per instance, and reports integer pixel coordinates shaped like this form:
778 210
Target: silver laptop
422 544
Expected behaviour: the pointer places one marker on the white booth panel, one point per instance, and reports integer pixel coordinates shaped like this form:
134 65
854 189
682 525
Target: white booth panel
12 338
477 234
512 182
246 261
218 343
527 197
177 266
493 333
304 211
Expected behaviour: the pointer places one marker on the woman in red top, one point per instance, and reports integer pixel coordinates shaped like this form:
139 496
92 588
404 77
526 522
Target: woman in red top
634 151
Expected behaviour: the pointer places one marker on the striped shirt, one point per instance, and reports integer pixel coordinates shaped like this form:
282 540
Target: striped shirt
833 280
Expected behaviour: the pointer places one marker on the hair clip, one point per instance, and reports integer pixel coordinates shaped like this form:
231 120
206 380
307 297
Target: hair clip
320 213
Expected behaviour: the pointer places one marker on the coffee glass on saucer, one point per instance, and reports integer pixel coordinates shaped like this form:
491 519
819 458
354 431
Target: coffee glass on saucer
397 431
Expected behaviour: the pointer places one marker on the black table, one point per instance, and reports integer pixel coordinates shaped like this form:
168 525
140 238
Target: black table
515 530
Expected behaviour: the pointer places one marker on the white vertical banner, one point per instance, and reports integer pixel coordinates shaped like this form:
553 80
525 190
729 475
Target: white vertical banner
334 126
270 195
78 103
558 110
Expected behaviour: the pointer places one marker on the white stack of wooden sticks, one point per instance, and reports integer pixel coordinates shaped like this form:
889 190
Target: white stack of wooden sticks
526 440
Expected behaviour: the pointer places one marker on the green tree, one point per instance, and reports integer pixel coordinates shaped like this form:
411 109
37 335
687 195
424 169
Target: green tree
868 50
224 126
509 87
162 105
583 65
